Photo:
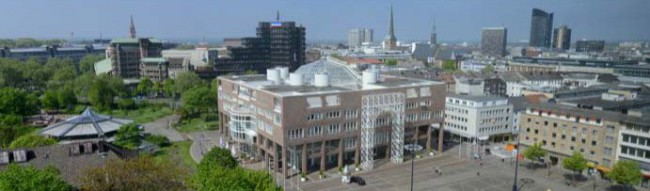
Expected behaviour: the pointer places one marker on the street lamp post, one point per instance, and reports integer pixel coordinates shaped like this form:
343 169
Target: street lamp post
412 148
514 185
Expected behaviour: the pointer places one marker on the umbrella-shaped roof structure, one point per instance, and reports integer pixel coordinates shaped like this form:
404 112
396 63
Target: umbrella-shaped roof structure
87 124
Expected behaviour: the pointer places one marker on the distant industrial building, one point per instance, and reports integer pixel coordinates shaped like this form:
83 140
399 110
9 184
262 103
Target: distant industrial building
590 46
356 37
278 43
562 37
541 26
493 41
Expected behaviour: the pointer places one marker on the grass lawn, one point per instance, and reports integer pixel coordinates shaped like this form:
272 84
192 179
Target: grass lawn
197 124
142 115
177 151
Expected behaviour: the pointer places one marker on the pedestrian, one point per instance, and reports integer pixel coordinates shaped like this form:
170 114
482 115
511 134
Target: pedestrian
478 173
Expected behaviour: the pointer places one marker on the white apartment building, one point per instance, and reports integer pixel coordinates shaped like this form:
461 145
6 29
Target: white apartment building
478 117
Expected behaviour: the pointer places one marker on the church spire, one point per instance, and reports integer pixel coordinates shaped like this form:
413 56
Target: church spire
132 28
277 15
391 27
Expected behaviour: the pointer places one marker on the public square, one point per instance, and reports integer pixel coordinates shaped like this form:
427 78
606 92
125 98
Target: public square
457 174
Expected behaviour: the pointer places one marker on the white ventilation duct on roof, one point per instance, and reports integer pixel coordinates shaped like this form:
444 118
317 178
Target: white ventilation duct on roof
284 72
273 75
321 80
369 77
295 79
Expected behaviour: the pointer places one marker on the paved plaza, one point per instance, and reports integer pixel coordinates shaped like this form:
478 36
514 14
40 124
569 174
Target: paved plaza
458 174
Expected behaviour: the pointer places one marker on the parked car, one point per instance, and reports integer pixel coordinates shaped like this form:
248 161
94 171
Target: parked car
358 180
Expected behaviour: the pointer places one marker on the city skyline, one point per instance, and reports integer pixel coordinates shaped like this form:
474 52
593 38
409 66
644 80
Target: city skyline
455 21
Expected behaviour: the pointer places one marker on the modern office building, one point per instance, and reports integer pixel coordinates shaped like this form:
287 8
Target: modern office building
356 37
590 45
156 69
478 118
327 114
278 43
125 55
390 41
562 37
541 26
493 41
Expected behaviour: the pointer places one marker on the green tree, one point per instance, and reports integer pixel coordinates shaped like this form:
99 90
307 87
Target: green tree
186 81
626 173
577 163
449 65
28 178
144 87
82 84
250 72
50 99
128 136
100 95
218 170
87 63
17 102
199 99
28 141
67 98
168 87
488 69
126 104
534 152
142 173
7 135
391 62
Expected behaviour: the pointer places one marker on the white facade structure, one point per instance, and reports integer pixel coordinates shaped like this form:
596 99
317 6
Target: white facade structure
478 117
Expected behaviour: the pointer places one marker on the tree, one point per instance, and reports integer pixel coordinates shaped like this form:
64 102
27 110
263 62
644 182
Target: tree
100 95
449 65
50 99
126 104
186 81
219 171
28 178
626 173
168 87
87 63
66 97
128 136
7 135
28 141
199 99
488 69
82 84
534 152
144 87
391 62
17 102
576 163
250 72
142 173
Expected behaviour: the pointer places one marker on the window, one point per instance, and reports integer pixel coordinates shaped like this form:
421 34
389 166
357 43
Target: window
609 139
314 116
334 128
593 143
425 115
314 131
314 102
332 100
607 151
333 114
411 105
296 134
573 139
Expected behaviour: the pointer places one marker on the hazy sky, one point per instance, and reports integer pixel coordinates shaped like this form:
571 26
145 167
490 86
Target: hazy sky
456 20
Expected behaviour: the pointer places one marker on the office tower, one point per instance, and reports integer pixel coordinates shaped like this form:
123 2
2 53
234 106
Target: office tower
278 43
493 41
541 25
356 37
562 37
390 42
125 55
590 46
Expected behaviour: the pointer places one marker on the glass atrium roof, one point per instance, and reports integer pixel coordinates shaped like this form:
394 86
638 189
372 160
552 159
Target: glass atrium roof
339 73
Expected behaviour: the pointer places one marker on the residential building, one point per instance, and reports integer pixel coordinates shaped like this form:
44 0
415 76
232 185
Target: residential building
478 118
634 142
520 81
541 26
314 118
356 37
493 41
494 87
562 37
590 45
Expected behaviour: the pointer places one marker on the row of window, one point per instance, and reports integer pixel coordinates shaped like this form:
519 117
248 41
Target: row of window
351 113
493 129
642 153
636 140
454 109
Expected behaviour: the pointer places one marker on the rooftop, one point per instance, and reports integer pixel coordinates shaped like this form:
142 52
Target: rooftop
476 98
591 114
154 59
133 40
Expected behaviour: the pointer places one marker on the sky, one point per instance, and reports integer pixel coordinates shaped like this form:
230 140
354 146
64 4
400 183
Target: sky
457 20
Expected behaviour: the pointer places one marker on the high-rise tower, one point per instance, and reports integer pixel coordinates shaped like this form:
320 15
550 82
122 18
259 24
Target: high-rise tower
562 38
390 42
132 28
434 37
541 27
